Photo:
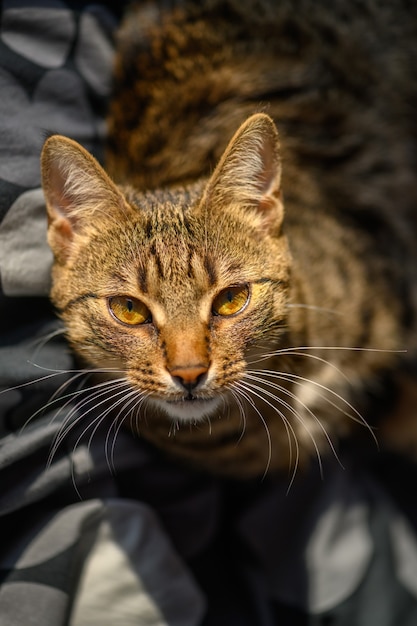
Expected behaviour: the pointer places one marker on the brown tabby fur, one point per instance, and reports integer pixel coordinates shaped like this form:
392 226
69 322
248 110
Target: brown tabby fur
333 284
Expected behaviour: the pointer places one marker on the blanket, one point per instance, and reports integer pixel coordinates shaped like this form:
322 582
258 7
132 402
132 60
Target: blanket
103 529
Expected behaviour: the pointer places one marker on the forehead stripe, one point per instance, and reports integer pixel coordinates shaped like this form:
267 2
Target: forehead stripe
210 268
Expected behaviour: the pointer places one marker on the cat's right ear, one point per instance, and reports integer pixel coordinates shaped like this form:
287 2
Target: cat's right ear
249 174
75 187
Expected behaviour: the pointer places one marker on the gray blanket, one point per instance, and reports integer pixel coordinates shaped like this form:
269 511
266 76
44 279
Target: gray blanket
104 530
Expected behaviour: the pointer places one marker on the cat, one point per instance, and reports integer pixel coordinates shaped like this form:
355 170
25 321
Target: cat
242 273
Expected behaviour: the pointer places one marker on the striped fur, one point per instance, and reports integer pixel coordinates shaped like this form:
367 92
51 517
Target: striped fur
332 277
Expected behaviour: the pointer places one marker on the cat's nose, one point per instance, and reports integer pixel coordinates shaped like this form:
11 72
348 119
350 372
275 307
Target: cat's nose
189 377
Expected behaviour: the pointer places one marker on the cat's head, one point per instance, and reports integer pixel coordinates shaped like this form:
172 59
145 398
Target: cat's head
172 287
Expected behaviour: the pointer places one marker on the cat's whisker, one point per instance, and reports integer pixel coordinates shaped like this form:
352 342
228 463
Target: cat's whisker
54 400
354 414
311 307
92 425
243 392
241 411
89 370
54 374
57 397
325 392
124 402
41 342
208 420
173 428
296 414
136 398
302 350
305 351
291 435
141 409
80 407
313 357
287 424
34 381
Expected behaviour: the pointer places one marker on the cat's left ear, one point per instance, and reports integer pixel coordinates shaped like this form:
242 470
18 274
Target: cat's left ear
249 173
77 191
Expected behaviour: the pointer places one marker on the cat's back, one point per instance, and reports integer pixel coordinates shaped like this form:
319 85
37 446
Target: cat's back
338 78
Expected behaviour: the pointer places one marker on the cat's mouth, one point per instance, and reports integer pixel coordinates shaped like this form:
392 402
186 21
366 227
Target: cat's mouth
190 408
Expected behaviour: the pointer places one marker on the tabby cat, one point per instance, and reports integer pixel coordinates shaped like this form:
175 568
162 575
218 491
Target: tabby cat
242 292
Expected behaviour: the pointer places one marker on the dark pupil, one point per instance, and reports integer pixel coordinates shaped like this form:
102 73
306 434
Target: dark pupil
229 296
129 305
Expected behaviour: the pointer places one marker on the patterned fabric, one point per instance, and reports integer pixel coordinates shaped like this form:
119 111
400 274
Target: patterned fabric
54 78
98 528
55 69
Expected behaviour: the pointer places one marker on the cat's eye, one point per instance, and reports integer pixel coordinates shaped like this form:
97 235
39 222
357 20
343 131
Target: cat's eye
129 310
231 300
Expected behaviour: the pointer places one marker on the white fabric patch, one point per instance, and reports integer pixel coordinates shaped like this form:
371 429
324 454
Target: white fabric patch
337 555
25 257
58 104
132 575
51 33
405 552
94 54
58 535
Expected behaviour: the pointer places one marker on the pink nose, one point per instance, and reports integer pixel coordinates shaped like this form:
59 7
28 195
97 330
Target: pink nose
189 377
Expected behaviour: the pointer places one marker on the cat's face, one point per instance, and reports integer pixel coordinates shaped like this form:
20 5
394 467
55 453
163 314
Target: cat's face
172 288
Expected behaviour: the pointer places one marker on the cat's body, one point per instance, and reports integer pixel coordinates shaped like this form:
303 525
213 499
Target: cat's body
245 339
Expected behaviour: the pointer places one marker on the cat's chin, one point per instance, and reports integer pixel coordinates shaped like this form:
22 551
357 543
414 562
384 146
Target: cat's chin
187 410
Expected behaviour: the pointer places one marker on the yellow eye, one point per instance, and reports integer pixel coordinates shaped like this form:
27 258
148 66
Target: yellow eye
231 300
129 310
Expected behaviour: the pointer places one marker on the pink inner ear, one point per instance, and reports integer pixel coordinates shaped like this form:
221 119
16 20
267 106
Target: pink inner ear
64 229
60 237
269 177
267 204
62 215
60 201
